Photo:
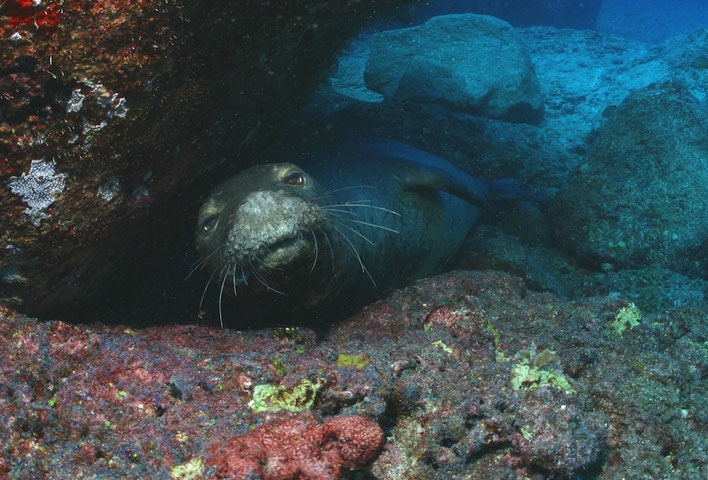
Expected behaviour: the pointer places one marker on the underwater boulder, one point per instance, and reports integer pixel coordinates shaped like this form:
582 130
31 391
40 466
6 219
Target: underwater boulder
639 197
556 13
111 109
471 63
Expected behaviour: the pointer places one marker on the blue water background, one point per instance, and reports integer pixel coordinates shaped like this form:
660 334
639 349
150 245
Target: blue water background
650 21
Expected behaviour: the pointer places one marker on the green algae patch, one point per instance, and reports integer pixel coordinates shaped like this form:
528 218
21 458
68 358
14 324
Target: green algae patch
627 317
543 358
279 367
530 378
192 470
441 344
527 432
272 398
357 361
538 360
500 357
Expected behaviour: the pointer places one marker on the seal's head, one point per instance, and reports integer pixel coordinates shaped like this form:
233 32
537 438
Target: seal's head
263 218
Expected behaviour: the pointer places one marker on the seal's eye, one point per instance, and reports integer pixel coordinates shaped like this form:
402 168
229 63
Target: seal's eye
294 178
209 222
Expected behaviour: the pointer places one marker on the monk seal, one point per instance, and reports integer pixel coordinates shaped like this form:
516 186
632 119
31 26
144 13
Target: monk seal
323 236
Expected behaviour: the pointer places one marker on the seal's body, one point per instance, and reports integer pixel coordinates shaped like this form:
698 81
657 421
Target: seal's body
339 227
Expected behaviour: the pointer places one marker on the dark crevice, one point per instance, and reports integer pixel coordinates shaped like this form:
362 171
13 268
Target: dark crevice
592 472
204 386
31 92
174 390
488 449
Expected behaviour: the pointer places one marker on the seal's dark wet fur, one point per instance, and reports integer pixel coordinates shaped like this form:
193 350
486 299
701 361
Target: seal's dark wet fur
323 236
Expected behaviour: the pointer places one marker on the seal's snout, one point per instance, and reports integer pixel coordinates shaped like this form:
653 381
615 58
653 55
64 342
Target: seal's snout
270 225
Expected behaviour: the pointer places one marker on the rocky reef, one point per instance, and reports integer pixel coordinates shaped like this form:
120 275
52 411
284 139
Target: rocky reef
639 198
463 375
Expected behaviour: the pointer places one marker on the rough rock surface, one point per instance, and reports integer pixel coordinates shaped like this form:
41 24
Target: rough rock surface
111 108
468 374
556 13
639 197
471 63
295 449
582 73
546 268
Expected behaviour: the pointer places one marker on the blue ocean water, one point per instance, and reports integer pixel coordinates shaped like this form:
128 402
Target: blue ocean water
649 21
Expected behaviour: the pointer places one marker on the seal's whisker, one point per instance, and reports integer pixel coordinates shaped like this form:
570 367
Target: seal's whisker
255 257
195 266
233 278
363 268
205 290
243 275
201 262
262 262
260 279
191 272
369 224
317 250
367 239
255 272
202 259
364 223
327 194
221 294
353 204
331 250
327 209
349 203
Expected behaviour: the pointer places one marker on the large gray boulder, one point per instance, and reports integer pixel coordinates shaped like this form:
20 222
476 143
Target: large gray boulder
640 197
471 63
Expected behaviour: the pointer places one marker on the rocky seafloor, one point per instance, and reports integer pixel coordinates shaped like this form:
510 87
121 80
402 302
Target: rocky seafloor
459 376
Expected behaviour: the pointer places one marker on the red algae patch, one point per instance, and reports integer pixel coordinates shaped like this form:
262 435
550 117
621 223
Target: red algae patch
299 450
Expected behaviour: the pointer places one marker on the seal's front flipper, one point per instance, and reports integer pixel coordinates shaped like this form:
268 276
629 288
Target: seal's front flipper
424 170
465 187
420 170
